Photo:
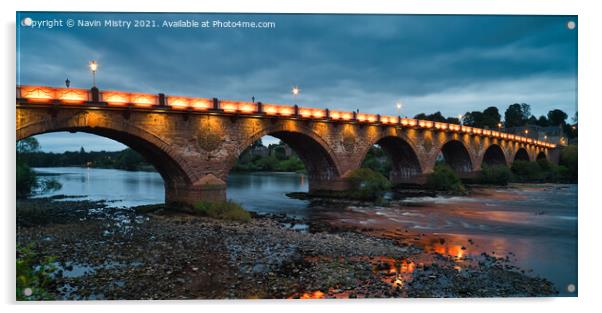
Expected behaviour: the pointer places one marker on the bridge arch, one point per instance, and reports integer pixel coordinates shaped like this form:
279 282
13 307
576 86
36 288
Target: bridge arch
522 155
542 156
323 169
494 155
174 170
404 160
456 155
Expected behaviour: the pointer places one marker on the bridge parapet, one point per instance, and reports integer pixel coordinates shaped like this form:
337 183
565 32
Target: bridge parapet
72 97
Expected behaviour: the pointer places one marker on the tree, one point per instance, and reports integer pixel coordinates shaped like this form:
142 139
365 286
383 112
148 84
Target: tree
532 120
557 117
543 121
473 119
129 160
517 114
453 120
257 143
28 145
435 117
491 118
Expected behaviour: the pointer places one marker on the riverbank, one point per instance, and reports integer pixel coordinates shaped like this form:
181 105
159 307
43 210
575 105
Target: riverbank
109 253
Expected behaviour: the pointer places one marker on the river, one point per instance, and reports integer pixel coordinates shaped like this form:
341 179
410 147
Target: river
534 225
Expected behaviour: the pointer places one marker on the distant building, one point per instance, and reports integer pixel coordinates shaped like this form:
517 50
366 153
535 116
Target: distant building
552 134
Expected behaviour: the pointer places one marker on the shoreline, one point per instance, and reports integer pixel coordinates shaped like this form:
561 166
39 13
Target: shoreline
122 254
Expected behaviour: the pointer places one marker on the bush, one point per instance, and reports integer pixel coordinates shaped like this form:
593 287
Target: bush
224 210
526 170
444 178
26 180
568 159
367 184
34 275
495 175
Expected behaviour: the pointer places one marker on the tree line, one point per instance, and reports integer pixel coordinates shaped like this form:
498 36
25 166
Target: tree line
126 159
516 115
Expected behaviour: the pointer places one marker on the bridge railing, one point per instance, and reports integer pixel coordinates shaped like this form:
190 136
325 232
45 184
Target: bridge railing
94 97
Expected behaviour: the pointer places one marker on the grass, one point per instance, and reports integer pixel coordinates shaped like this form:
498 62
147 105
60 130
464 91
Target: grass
224 210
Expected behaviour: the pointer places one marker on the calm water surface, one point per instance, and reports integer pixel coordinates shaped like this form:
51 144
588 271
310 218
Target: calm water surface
536 225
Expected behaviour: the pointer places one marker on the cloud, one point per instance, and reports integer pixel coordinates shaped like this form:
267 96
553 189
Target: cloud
451 64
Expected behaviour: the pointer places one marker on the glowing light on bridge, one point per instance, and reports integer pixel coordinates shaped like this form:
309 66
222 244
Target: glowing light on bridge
115 98
237 106
72 96
335 115
37 93
178 103
317 113
143 100
66 96
441 126
305 112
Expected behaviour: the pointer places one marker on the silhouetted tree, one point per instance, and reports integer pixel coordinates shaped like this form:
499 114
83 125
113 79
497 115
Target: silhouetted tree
543 121
491 118
517 115
557 117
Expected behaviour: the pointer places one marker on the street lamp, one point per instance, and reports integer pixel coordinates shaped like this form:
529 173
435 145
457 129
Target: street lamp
499 126
93 67
399 105
295 91
460 117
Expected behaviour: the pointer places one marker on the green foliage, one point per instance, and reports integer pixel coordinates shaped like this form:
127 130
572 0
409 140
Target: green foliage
34 275
224 210
517 114
544 171
489 118
569 159
28 145
495 175
129 160
377 161
557 117
26 179
435 117
526 170
367 184
126 159
444 178
294 164
276 161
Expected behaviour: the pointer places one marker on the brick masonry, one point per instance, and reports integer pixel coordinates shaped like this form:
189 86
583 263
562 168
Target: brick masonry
195 152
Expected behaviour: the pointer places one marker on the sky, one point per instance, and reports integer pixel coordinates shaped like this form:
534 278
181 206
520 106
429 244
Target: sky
429 63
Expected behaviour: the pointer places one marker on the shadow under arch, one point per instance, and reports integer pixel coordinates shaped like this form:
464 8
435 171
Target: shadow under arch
521 155
322 170
173 174
494 155
404 160
542 156
456 156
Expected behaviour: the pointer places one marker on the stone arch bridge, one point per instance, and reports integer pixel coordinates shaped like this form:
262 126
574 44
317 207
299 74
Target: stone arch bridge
194 142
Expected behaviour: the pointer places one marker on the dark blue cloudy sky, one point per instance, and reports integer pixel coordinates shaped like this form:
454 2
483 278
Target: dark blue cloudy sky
451 64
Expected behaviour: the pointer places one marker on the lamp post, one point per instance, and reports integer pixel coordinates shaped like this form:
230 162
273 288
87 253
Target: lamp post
399 105
295 91
460 117
93 67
